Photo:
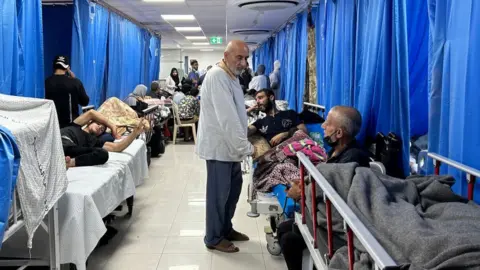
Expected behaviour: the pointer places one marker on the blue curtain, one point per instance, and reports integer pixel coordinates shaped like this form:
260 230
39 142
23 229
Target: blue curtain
125 53
280 54
89 47
155 50
362 59
302 49
454 62
417 22
291 66
57 27
145 38
21 48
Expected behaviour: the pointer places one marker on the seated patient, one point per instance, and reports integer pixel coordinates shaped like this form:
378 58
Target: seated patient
277 126
189 107
342 125
82 147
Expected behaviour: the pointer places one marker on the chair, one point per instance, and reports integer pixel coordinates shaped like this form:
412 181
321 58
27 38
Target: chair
185 124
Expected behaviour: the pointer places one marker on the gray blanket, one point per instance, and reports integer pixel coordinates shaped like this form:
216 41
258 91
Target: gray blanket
420 222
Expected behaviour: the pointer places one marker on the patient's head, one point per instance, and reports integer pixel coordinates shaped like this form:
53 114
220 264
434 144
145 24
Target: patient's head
265 100
155 86
96 129
342 125
194 92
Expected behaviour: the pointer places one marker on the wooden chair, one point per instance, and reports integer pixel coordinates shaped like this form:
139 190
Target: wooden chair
185 124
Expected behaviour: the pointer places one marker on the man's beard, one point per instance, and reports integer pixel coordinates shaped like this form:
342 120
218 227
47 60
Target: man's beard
267 107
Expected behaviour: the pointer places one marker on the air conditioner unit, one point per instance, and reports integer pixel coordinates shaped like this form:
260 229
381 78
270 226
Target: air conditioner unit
250 31
267 5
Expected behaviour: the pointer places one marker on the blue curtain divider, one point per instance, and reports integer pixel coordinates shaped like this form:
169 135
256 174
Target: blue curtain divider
281 55
454 61
154 53
126 47
417 21
362 61
301 53
21 48
89 47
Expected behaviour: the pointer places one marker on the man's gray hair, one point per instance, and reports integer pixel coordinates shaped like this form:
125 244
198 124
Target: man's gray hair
349 118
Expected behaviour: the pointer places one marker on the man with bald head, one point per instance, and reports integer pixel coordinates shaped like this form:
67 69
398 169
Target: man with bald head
340 128
222 142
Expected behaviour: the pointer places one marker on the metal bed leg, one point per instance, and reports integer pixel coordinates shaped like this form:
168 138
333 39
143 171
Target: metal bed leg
130 206
53 236
307 260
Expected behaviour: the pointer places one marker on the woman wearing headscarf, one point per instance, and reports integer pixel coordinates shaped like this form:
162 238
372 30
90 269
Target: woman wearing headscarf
173 81
135 99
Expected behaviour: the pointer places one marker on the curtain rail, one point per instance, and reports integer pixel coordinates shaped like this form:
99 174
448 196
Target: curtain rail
131 19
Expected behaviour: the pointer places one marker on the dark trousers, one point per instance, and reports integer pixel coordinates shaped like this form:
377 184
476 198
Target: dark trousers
292 244
86 156
224 185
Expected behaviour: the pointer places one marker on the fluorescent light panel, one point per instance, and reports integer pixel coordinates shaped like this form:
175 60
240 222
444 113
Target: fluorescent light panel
164 1
206 50
188 29
195 37
201 43
178 17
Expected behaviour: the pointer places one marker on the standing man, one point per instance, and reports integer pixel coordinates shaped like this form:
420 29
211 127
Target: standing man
193 75
222 142
66 91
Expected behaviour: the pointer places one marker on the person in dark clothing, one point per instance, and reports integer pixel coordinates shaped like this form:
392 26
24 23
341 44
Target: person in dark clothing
82 147
277 126
340 128
66 91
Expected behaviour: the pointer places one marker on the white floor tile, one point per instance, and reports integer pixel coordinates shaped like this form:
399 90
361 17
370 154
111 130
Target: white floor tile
185 245
238 261
168 224
185 262
133 261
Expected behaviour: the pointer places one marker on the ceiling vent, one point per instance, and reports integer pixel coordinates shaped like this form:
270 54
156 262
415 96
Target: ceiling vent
251 43
249 32
267 5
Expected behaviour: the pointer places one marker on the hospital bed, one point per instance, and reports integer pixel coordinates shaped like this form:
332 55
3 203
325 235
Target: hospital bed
322 242
275 205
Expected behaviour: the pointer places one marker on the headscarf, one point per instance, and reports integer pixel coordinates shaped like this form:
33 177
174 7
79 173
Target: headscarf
175 78
276 65
140 91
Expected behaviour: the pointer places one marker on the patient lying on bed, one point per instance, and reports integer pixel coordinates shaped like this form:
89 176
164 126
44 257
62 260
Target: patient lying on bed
340 128
277 126
81 144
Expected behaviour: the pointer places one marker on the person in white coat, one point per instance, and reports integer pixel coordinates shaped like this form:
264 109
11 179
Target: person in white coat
173 82
275 80
223 143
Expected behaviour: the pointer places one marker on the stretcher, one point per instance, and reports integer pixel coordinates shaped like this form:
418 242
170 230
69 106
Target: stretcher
322 242
275 205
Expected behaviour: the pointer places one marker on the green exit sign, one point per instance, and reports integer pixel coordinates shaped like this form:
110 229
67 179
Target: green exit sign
216 40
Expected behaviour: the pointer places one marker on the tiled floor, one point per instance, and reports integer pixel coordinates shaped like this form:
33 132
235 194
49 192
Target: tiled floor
167 228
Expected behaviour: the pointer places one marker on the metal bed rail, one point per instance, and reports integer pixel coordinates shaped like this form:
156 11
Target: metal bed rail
472 174
315 108
352 225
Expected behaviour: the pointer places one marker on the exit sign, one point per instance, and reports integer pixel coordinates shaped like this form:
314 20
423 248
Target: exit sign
216 40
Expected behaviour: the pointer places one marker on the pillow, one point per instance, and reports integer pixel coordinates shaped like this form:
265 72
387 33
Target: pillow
260 143
309 117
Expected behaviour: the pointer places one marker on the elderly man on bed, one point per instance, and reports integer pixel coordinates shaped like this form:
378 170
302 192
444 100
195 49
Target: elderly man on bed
81 144
342 125
277 126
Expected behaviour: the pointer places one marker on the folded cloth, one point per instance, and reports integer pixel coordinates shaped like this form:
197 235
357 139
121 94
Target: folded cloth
309 147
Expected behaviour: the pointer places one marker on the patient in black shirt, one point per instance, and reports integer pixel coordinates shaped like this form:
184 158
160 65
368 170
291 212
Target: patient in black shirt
277 126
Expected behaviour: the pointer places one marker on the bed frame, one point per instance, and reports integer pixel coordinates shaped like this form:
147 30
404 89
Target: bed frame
16 223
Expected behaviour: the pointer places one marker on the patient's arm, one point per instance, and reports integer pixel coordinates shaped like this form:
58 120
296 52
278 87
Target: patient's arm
251 130
97 117
302 127
123 144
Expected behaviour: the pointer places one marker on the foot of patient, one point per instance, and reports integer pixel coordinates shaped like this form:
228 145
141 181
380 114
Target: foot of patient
70 162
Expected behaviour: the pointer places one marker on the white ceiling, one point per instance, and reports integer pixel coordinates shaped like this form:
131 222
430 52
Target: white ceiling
211 15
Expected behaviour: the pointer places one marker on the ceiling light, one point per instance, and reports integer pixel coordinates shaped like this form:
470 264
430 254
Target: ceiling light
195 37
201 43
165 1
188 29
206 50
178 17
